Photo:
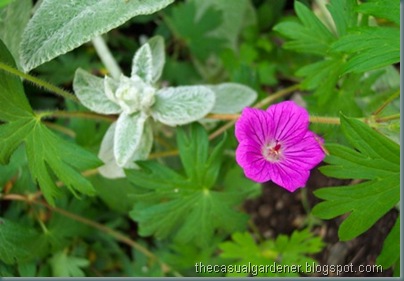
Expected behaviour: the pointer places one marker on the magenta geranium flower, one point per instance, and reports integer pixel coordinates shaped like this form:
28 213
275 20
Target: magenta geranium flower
277 145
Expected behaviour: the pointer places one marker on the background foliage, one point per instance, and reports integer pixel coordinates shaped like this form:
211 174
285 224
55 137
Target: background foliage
59 217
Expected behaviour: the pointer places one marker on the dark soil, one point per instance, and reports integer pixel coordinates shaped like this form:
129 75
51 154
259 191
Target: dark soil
277 211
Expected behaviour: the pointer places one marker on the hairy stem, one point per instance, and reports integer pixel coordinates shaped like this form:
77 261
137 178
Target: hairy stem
117 235
387 118
325 120
277 95
106 57
39 82
221 130
163 154
395 95
61 129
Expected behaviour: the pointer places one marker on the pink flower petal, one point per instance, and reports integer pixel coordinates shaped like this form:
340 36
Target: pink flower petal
277 145
288 177
306 154
249 157
254 124
290 120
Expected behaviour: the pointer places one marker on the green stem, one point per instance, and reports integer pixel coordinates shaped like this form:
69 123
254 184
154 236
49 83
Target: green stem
395 95
38 82
387 118
325 120
61 129
106 57
277 95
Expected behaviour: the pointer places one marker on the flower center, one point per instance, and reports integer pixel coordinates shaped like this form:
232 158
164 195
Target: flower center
134 95
272 152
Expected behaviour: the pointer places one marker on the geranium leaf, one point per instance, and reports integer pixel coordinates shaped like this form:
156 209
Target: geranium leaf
68 266
201 165
343 14
365 46
378 160
193 145
384 9
196 30
391 247
16 241
186 207
284 250
309 36
46 152
51 32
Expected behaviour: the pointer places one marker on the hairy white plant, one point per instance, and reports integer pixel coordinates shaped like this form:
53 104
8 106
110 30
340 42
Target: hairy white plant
59 26
135 99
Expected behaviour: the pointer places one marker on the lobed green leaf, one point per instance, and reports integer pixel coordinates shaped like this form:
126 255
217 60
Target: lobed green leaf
16 242
371 48
284 250
196 29
310 36
391 247
344 15
194 148
187 208
377 159
384 9
47 153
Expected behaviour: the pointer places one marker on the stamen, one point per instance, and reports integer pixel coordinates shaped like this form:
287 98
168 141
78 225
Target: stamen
272 152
